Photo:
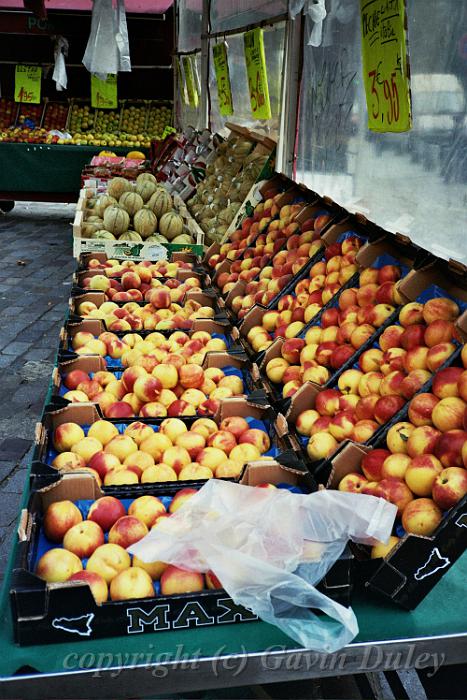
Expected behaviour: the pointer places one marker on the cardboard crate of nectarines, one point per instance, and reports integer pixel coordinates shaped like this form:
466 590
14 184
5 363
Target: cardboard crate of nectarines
90 261
128 276
420 466
73 579
138 454
88 378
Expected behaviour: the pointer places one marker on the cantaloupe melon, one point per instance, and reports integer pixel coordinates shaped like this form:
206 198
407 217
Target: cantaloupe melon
102 202
171 225
103 235
145 222
131 202
183 239
146 177
117 186
130 236
156 238
90 227
116 220
145 189
160 202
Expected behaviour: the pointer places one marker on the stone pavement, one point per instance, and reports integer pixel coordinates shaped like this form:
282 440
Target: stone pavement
35 283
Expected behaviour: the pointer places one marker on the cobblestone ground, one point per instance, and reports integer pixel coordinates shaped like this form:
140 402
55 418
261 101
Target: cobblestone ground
35 282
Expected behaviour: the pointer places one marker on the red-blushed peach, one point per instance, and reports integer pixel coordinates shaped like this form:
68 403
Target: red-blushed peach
103 463
172 428
327 402
127 530
103 431
95 582
72 379
76 396
167 374
361 335
421 408
387 406
223 440
372 464
440 308
349 381
450 381
421 517
212 582
398 435
68 461
365 408
195 472
379 314
138 431
369 384
413 382
176 457
119 409
155 445
131 583
396 492
321 445
121 446
363 430
305 421
411 313
416 358
395 466
83 538
234 424
147 509
370 360
191 441
57 565
180 407
448 414
158 473
230 469
147 388
352 483
81 338
59 518
180 498
105 511
176 581
421 474
66 435
256 437
342 425
138 461
450 487
422 440
439 331
246 452
131 374
391 337
89 387
317 375
449 446
438 355
383 549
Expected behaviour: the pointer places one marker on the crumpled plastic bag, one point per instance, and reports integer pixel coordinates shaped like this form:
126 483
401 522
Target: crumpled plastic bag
269 548
108 49
60 53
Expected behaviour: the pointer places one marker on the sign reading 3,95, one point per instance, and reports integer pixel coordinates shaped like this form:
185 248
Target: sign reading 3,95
255 60
385 65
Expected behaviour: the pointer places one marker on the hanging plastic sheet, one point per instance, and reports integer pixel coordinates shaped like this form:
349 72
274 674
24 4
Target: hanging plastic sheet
108 49
60 53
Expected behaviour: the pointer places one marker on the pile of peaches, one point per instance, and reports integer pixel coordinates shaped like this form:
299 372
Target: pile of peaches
137 285
93 549
162 268
162 376
146 455
422 469
402 360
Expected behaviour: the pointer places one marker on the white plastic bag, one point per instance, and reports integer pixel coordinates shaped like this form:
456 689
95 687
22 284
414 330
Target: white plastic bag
107 50
269 547
60 53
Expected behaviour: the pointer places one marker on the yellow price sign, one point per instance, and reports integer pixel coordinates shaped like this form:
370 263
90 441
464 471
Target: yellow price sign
255 59
224 88
190 82
28 84
385 65
104 92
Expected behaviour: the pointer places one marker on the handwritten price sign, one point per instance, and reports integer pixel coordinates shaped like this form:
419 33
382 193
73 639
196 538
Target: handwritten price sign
104 92
28 84
385 65
224 88
190 81
255 60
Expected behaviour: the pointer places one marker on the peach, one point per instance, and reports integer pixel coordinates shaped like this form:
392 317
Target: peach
206 427
363 430
160 299
211 457
172 428
147 388
246 452
342 425
180 498
155 569
416 358
386 408
68 461
72 379
451 381
83 538
167 375
318 375
180 407
228 469
147 509
369 384
421 408
138 431
57 565
321 445
121 446
391 337
379 314
103 463
440 308
223 440
138 461
96 583
450 487
119 409
439 331
398 435
131 583
370 360
66 435
176 581
396 492
361 335
87 448
395 466
327 402
192 442
291 349
421 517
349 381
449 447
448 414
76 396
421 474
413 382
191 376
127 530
339 355
365 408
194 472
422 440
256 437
177 458
158 473
103 431
233 424
80 339
438 354
305 421
411 313
372 464
352 483
383 549
59 518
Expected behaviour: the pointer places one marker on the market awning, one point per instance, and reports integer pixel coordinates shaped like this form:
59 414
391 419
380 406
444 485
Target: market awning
138 6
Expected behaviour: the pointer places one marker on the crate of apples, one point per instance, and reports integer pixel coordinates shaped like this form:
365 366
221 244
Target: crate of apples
148 454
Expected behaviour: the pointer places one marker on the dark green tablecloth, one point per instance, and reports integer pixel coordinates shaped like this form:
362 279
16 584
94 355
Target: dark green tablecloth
50 168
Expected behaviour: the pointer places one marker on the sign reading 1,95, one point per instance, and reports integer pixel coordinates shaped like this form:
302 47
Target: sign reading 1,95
385 65
28 84
104 92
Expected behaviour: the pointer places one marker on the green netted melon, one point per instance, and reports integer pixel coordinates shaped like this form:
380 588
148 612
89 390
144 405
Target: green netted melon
156 238
146 177
117 186
183 239
131 202
116 220
102 202
130 236
103 235
146 189
171 225
160 202
145 222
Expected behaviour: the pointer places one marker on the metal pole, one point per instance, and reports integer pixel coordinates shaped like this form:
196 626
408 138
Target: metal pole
203 107
290 96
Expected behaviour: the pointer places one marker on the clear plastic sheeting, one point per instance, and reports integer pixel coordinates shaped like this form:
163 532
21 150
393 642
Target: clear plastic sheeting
188 115
190 14
108 49
269 548
274 40
236 14
414 182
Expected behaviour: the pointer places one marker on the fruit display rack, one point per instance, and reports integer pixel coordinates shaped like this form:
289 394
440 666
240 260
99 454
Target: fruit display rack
89 448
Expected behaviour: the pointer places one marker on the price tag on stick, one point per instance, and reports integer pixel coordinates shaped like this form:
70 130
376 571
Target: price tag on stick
255 60
190 82
224 88
385 65
28 84
104 92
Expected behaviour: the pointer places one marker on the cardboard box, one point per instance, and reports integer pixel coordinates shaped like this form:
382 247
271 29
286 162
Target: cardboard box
416 564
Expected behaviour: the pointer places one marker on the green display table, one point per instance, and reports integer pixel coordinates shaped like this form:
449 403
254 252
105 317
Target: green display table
45 171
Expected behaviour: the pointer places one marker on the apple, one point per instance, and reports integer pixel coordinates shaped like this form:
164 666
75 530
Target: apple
96 583
421 517
450 487
131 583
422 473
59 518
57 565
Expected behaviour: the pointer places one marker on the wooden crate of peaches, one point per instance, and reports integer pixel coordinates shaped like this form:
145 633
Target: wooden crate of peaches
369 395
288 315
132 453
156 376
421 464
